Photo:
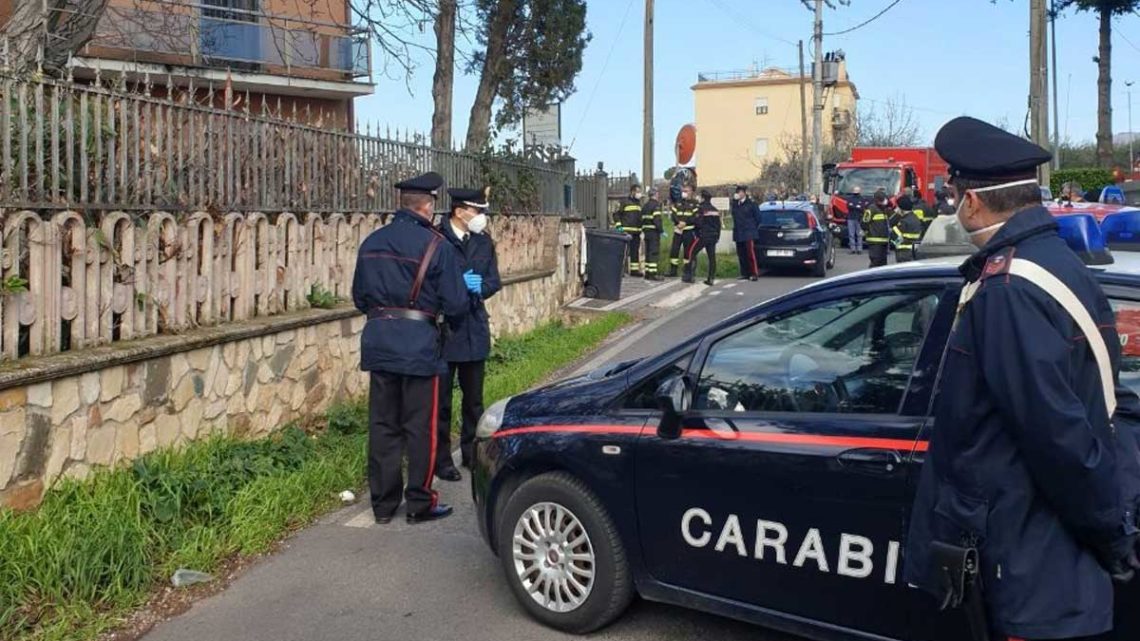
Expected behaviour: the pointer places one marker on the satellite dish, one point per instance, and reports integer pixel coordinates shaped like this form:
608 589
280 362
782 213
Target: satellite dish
686 144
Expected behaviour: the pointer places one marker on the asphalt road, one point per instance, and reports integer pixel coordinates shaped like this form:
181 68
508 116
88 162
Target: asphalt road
347 579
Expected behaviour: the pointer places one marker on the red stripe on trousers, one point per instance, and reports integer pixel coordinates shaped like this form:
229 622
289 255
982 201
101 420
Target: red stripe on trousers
752 255
434 438
689 255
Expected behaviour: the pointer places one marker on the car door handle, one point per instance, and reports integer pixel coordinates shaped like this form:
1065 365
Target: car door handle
870 458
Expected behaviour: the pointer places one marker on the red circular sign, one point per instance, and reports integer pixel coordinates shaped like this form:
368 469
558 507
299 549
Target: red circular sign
686 144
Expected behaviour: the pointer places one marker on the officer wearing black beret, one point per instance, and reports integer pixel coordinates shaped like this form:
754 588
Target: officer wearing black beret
468 343
1025 466
407 277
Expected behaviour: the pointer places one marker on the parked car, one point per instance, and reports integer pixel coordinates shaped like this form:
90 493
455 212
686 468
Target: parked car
792 235
762 470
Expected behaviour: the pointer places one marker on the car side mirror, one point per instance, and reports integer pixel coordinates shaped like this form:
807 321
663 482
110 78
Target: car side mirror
673 396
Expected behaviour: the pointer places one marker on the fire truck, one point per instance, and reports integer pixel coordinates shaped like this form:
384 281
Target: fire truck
888 168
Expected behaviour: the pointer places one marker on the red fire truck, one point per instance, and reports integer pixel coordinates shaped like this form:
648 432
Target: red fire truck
887 168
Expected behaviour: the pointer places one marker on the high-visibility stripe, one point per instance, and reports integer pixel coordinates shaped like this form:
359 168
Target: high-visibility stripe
778 438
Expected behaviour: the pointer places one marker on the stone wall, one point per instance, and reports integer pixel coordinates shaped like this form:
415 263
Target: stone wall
65 414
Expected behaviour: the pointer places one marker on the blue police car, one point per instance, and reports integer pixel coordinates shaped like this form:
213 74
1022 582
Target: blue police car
763 470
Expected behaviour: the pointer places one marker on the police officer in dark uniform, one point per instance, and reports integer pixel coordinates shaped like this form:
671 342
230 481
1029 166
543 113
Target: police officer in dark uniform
684 217
877 229
745 232
652 230
629 221
906 229
706 233
1025 468
468 343
406 277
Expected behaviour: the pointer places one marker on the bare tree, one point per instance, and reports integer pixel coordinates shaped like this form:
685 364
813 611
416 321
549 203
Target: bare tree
444 80
46 34
893 124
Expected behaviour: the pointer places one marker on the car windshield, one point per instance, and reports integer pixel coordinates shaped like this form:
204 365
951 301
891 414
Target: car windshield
784 218
870 180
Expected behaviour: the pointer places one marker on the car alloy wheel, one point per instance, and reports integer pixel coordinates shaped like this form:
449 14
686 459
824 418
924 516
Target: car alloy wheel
553 557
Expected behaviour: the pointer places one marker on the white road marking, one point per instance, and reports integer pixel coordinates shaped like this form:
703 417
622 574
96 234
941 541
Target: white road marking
679 297
714 293
729 285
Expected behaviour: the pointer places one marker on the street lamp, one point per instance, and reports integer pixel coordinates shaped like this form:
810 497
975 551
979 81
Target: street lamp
1131 135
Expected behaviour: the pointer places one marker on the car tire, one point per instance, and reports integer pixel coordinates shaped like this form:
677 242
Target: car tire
609 589
831 256
819 269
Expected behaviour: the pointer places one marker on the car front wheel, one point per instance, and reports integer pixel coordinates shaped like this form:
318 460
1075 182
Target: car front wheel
562 555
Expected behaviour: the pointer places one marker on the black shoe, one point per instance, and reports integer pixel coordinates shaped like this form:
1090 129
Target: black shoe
449 474
635 274
653 277
466 462
686 279
672 273
709 282
753 278
440 511
383 520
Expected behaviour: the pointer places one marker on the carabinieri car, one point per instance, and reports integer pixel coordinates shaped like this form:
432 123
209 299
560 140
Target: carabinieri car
763 470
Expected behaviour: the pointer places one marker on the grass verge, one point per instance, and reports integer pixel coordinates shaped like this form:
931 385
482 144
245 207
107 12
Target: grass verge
97 549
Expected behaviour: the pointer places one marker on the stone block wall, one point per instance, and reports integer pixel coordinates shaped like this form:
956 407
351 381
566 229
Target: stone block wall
248 387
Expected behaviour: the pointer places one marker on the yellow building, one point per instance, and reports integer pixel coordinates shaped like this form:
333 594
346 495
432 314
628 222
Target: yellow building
745 119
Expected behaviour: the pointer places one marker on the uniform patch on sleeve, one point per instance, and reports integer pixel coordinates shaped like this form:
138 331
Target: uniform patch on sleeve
998 264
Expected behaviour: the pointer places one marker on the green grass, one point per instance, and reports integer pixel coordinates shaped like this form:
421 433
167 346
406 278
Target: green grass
97 549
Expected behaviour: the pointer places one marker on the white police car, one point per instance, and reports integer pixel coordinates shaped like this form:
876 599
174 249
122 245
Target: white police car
775 484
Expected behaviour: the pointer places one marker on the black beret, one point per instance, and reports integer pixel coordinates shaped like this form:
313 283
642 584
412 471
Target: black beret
706 194
476 198
428 183
977 150
742 188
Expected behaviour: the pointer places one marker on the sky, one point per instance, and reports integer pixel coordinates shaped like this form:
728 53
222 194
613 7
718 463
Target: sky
943 57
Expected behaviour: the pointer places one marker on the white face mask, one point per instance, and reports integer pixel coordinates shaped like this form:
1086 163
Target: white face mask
477 224
994 227
637 195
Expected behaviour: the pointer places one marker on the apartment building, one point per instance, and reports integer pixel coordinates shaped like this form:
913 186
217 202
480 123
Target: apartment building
747 118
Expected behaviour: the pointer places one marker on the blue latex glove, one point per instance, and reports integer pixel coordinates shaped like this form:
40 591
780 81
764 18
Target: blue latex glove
473 281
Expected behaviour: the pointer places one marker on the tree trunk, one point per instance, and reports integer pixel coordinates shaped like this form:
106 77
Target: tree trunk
23 33
494 68
444 80
71 24
1104 92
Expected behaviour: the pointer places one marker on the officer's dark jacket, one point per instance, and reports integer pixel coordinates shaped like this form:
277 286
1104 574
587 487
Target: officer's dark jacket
386 268
651 216
1022 458
629 214
469 335
685 212
708 222
745 220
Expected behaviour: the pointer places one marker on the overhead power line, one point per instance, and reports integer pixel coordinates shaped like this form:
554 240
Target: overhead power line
1125 38
730 12
601 74
865 22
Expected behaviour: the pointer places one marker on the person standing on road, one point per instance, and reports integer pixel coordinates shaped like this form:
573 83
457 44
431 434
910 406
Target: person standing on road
652 230
406 277
906 228
922 209
468 343
629 221
745 232
877 229
1028 467
706 235
684 217
856 207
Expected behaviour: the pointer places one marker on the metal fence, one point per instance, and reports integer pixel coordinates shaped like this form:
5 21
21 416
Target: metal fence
69 145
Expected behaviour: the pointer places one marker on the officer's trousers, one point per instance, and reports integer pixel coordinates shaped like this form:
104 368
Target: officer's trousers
877 252
694 249
652 251
746 255
904 254
402 416
471 408
634 250
680 243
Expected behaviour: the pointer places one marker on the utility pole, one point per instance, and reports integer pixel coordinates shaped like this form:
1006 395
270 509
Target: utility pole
647 124
803 123
1131 136
1056 88
817 105
1038 83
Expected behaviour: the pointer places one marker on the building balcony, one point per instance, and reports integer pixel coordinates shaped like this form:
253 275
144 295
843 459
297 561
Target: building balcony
273 54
